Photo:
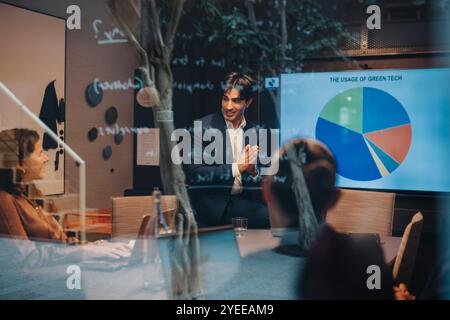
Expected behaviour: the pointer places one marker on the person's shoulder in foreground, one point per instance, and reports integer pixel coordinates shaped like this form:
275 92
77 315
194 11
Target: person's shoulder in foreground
342 267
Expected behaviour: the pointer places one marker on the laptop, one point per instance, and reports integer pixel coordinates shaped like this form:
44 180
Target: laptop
137 254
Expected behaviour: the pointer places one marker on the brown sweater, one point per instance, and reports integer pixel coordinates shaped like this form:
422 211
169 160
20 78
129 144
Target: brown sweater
30 236
21 218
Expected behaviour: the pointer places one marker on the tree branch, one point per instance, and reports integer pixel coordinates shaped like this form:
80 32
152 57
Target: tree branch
173 24
251 14
116 8
284 33
135 4
151 28
128 13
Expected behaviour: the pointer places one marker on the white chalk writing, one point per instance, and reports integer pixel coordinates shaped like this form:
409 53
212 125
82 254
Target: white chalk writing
198 61
113 36
118 85
190 87
120 130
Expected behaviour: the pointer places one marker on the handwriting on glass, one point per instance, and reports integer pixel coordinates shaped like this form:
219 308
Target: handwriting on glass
118 85
113 36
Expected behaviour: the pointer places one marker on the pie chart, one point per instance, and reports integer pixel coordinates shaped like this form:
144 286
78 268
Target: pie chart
367 130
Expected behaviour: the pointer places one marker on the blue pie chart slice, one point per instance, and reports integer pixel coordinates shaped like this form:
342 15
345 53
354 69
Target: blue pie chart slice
381 111
353 158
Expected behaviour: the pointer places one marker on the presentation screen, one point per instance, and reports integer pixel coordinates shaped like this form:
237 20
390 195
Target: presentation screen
387 129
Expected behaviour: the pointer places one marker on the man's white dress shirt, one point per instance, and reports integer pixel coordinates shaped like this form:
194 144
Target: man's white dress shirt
237 147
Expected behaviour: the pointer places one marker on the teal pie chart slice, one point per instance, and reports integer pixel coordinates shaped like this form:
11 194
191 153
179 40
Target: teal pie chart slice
387 161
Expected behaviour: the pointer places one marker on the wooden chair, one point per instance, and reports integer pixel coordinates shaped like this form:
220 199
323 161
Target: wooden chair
406 256
97 224
127 213
64 208
363 212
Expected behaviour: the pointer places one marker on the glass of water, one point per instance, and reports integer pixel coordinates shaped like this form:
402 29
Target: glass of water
240 226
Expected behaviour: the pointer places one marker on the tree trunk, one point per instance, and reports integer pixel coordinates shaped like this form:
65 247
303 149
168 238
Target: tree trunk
185 259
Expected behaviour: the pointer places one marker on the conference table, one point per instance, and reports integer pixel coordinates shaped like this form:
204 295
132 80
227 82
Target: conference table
253 270
268 274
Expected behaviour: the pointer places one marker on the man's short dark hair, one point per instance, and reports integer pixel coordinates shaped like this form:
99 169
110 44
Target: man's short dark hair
242 82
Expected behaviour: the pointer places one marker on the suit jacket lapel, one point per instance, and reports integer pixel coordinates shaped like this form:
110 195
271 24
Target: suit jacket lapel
218 122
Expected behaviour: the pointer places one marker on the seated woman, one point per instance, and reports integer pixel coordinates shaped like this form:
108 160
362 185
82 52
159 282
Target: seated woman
30 237
336 264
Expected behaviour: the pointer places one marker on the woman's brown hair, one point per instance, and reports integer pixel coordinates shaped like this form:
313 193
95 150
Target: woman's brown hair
319 170
15 145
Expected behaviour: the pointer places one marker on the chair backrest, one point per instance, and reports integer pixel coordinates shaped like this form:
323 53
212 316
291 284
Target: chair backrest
127 212
363 212
406 255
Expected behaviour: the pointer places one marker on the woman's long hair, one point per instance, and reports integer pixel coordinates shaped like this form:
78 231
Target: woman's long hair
15 145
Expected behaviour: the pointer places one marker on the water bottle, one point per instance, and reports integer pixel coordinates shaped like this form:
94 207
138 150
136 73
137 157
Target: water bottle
161 225
153 272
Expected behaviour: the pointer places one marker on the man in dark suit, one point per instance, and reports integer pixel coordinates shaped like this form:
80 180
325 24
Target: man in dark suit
220 184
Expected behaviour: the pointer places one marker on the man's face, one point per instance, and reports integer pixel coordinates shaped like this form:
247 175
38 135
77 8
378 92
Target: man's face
233 106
